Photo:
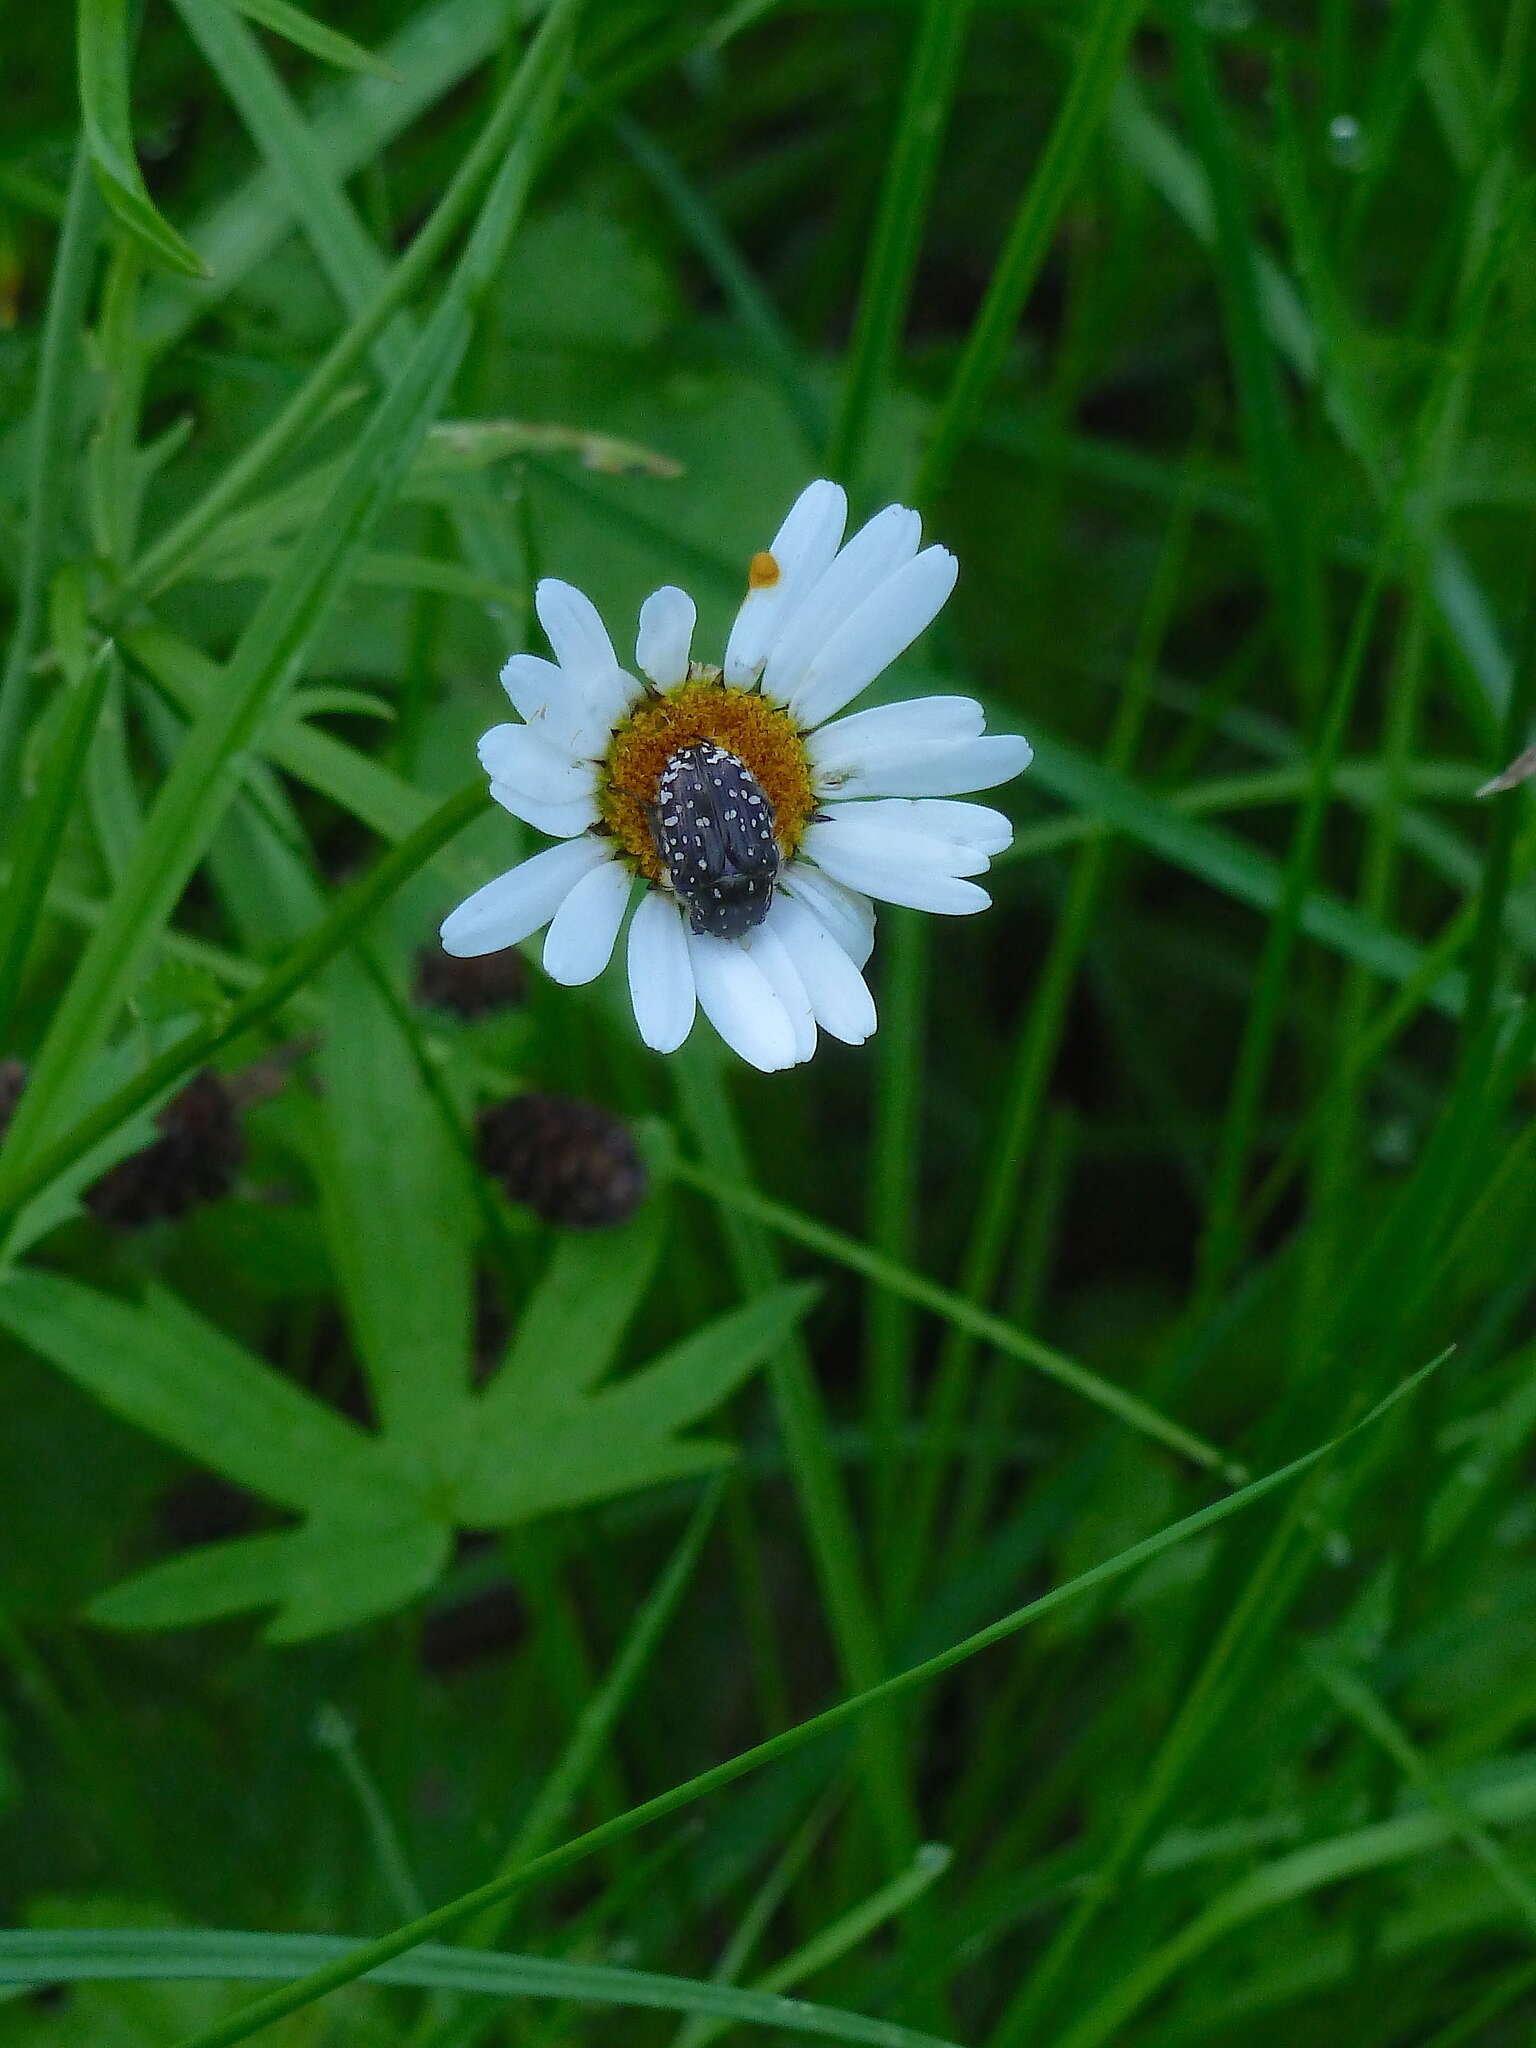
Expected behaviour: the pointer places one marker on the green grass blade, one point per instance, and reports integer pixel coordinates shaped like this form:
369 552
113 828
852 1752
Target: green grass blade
503 157
366 788
341 244
1281 1883
1023 1101
431 56
1094 75
979 1324
893 1221
47 461
197 790
102 49
1350 1692
20 1180
123 1955
886 287
759 317
846 1932
370 1955
305 33
38 833
800 1408
591 1738
1267 429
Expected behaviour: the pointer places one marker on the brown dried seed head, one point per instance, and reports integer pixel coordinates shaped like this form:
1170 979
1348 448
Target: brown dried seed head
195 1161
573 1163
474 987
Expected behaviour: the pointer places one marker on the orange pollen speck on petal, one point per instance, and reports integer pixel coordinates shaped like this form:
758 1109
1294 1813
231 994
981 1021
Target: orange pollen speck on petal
760 734
762 571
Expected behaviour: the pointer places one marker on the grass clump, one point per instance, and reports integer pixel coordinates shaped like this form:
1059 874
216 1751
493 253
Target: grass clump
1063 1572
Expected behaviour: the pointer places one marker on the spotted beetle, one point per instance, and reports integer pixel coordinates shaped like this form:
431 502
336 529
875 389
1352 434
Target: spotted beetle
712 822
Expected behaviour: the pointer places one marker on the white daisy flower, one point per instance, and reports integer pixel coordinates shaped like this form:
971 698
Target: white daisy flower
759 822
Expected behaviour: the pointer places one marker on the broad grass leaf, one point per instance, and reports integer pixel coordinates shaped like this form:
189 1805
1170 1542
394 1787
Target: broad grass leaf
147 1954
122 2014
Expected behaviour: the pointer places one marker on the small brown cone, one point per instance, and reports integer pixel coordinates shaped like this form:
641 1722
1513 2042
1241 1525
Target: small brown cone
471 988
195 1161
572 1163
13 1078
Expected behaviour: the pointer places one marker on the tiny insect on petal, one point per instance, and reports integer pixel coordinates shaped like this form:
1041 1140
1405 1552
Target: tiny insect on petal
762 571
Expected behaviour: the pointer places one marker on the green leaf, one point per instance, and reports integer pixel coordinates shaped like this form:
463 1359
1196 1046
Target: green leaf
102 50
329 1575
301 29
697 1374
572 1324
564 1462
165 1369
561 1447
399 1215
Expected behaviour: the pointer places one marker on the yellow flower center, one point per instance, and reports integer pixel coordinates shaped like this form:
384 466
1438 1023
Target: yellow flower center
760 734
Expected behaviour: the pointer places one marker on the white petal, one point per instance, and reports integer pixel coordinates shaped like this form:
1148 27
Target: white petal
972 828
533 684
580 942
512 907
784 978
574 711
665 639
604 700
559 820
912 888
802 548
576 632
933 770
843 914
877 550
528 763
897 866
884 626
838 995
916 721
847 832
661 973
738 1000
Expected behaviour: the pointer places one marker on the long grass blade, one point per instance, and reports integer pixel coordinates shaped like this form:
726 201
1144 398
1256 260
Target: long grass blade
370 1955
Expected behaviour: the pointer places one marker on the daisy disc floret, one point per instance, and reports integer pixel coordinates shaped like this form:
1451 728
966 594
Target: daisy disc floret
754 823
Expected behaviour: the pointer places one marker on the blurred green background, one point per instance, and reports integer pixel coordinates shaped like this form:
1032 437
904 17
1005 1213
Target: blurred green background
1203 333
